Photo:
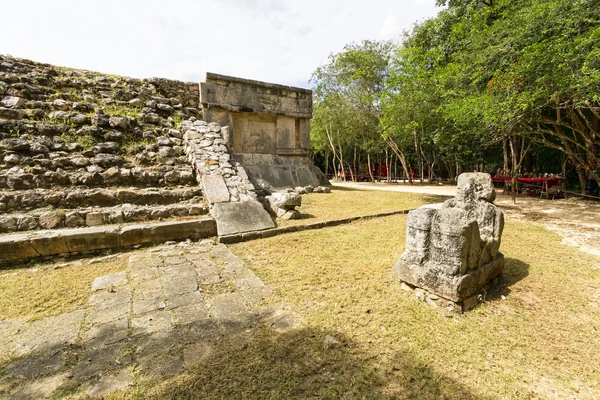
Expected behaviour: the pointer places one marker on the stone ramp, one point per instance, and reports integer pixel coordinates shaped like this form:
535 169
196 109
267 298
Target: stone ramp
161 316
226 186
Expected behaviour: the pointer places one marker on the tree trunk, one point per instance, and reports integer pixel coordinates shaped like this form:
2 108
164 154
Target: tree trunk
335 174
369 166
342 164
515 149
400 156
355 172
582 178
387 166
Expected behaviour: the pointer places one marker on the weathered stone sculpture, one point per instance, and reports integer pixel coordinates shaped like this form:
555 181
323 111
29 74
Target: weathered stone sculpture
452 248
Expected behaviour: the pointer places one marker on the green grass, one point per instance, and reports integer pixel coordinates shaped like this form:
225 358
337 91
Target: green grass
344 203
535 337
540 341
35 293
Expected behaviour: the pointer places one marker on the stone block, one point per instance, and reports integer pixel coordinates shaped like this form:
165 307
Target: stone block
164 231
109 281
154 321
87 239
243 216
47 243
215 189
16 247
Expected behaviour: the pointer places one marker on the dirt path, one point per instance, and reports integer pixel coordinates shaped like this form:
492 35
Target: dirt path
577 221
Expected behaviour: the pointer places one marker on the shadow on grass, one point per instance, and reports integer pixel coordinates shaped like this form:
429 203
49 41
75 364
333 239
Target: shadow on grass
514 271
248 362
302 364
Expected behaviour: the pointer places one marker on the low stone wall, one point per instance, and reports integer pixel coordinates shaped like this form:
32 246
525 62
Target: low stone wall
21 247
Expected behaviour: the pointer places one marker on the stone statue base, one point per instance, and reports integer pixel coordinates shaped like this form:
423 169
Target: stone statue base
455 288
452 248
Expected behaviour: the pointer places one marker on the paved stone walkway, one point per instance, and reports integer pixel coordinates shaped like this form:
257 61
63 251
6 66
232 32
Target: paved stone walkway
156 319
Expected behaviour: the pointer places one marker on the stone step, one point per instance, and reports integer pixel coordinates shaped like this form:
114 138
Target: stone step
22 247
94 216
19 179
73 198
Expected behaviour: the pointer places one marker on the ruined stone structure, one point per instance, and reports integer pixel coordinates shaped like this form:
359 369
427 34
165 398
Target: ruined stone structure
452 248
269 129
83 154
231 196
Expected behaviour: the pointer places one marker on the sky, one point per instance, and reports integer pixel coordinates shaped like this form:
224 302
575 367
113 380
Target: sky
280 41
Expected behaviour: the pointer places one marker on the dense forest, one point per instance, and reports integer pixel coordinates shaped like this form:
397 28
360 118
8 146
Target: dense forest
490 85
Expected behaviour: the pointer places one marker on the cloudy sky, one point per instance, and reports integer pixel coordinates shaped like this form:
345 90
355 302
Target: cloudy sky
280 41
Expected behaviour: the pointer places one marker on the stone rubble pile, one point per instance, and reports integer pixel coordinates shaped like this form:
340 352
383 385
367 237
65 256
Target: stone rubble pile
65 127
283 204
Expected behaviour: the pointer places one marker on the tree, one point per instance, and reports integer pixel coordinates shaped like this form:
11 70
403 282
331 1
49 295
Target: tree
348 91
506 71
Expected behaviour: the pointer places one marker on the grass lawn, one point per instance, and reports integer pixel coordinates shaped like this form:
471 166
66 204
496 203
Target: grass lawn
345 203
35 293
537 336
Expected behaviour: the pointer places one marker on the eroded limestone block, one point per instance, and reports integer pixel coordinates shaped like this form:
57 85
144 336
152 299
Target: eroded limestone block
452 248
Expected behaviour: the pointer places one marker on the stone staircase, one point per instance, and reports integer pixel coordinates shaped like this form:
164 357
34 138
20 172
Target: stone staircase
90 161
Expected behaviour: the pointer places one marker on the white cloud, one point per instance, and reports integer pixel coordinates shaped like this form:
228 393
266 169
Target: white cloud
281 41
391 28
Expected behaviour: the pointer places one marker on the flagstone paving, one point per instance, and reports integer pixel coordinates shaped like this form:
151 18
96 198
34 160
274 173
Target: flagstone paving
156 319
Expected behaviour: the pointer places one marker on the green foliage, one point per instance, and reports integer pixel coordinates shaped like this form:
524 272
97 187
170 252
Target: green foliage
121 111
86 141
482 71
348 91
478 73
178 118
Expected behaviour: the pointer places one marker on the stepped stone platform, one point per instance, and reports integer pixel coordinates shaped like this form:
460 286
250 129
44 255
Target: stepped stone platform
104 197
163 315
85 149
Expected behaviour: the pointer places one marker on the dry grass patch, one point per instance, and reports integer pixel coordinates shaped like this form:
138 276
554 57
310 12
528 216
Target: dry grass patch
345 203
535 337
42 291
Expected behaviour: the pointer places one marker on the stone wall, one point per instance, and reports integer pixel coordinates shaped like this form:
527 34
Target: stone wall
81 149
187 92
206 150
263 118
232 197
269 129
